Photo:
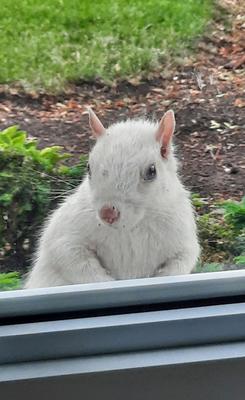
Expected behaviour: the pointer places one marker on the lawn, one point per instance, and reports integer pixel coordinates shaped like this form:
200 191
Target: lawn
45 43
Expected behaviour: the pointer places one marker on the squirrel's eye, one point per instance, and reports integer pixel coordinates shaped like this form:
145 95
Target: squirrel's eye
89 170
150 173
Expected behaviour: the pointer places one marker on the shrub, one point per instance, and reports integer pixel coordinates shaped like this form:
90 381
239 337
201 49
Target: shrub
31 183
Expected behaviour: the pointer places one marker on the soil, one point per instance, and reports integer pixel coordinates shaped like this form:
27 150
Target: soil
206 91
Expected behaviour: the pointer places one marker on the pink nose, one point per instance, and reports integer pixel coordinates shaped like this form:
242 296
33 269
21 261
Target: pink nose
109 214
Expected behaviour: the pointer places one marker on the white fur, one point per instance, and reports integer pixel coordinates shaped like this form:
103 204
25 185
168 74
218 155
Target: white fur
156 232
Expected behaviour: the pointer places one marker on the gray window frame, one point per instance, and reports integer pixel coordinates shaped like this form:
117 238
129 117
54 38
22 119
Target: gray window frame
164 332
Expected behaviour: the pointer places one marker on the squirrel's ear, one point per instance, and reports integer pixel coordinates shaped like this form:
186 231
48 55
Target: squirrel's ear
95 124
165 132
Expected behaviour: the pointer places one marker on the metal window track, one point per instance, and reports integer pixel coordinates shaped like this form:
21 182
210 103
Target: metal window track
141 339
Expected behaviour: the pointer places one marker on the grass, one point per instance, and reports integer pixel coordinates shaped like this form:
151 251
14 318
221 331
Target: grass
10 281
45 43
208 267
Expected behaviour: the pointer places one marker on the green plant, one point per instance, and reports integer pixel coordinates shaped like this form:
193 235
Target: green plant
10 281
216 237
13 141
222 230
32 181
235 213
197 201
240 260
208 267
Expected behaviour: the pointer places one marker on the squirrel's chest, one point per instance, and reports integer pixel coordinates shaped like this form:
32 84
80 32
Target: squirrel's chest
128 255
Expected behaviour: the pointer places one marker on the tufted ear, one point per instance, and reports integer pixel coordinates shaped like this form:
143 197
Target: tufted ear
165 132
95 124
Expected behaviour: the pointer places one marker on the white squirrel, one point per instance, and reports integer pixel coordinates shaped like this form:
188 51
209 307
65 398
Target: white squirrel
131 217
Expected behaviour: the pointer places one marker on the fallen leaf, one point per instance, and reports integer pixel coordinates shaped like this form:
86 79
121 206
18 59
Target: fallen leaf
214 124
239 103
5 108
228 125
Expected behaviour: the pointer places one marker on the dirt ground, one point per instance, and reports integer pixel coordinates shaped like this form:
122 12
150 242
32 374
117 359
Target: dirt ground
206 91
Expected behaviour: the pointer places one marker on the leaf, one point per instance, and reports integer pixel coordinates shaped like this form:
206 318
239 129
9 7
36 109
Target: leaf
6 198
30 144
10 281
214 124
209 267
5 174
239 103
235 213
239 260
20 139
10 131
228 125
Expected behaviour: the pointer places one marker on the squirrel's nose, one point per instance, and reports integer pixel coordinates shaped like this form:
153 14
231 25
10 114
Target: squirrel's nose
109 214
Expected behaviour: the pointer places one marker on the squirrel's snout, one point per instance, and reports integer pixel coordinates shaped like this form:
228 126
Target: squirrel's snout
109 214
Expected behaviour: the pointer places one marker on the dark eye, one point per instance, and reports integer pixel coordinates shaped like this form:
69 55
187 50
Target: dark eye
150 173
89 170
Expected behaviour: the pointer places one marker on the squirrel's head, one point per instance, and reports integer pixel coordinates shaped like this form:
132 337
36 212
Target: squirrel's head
131 168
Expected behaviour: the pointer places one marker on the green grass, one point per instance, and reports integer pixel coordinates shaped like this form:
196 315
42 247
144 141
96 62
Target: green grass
206 267
10 281
45 43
